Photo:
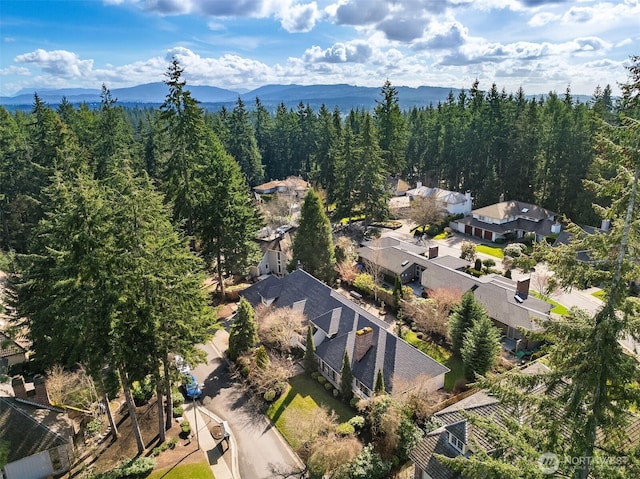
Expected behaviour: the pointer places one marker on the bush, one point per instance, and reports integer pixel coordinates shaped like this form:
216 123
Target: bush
488 263
345 429
322 379
178 411
336 393
364 283
328 386
142 390
357 422
131 469
269 395
176 397
475 272
315 374
514 249
478 264
185 427
354 402
507 274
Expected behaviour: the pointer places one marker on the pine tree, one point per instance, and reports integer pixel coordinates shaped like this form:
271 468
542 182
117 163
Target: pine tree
313 242
262 358
391 126
462 318
244 331
480 347
346 379
241 144
379 387
309 353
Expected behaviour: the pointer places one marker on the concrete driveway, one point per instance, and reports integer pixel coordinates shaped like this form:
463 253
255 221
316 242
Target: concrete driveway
261 448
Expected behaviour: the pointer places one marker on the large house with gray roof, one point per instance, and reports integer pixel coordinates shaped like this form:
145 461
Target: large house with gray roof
339 326
396 258
507 302
508 219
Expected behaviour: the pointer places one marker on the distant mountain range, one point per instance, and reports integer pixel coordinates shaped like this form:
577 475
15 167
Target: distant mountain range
342 96
345 97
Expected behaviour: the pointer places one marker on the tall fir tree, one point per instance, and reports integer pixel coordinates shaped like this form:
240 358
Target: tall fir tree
244 331
480 347
462 318
310 364
346 378
313 242
241 144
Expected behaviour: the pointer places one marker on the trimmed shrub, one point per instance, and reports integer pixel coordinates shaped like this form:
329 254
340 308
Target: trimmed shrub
176 397
269 395
185 427
488 263
142 390
328 386
131 469
336 393
507 274
178 411
354 402
322 379
345 429
315 374
357 422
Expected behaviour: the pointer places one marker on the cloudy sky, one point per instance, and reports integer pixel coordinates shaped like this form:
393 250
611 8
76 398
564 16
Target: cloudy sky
541 45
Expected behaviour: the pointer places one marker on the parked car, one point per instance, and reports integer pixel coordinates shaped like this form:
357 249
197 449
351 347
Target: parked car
192 389
181 365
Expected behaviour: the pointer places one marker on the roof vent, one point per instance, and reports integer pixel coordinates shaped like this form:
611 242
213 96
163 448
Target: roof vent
524 210
405 262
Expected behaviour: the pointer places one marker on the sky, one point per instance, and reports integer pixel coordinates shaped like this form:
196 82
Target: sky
539 45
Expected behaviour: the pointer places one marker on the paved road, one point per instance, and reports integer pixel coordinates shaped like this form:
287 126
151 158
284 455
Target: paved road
260 445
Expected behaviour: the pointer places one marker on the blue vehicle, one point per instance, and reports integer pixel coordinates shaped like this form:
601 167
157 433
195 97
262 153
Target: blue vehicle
191 387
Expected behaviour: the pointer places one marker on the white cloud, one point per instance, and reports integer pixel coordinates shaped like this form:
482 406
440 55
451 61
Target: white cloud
443 37
57 62
543 18
299 18
14 70
354 52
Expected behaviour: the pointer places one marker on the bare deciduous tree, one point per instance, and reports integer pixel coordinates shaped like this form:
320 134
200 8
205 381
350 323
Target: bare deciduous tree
279 329
71 388
425 210
431 315
347 271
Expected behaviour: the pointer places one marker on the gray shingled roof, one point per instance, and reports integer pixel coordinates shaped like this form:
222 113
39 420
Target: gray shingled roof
25 434
496 293
332 312
514 209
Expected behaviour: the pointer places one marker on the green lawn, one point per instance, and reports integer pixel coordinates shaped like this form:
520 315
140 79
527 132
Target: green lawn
440 354
298 404
490 250
197 470
443 235
600 294
557 307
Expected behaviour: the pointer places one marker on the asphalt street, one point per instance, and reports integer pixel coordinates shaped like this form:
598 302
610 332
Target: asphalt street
261 448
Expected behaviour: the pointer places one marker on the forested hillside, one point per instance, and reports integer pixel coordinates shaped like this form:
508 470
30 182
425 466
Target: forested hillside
491 143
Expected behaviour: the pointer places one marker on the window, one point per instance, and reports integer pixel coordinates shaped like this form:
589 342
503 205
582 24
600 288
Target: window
457 443
366 392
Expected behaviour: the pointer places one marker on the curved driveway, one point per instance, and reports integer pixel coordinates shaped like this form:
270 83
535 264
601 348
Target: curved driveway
261 449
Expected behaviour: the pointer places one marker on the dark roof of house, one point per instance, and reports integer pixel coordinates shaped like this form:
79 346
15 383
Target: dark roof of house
542 227
9 347
423 455
496 293
454 420
25 433
340 318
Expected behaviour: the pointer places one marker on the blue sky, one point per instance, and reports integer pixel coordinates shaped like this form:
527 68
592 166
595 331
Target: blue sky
541 45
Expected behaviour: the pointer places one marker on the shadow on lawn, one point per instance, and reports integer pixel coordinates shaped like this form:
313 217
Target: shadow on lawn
291 393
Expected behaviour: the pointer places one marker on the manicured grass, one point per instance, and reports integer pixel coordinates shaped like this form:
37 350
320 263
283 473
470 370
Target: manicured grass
442 355
600 294
443 235
298 404
197 470
557 307
345 221
490 250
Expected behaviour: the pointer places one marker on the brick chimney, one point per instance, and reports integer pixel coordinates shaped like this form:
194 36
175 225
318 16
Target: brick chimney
19 391
433 252
522 288
40 386
364 340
